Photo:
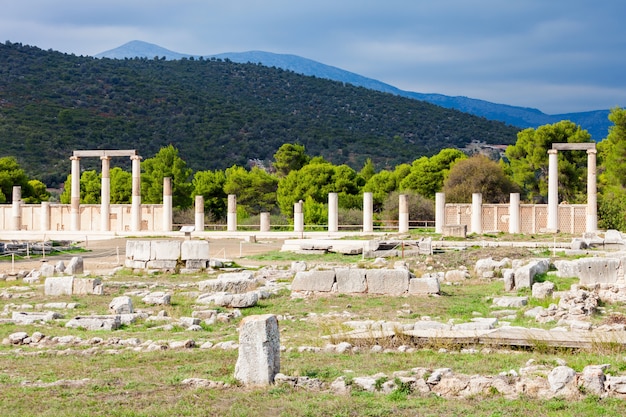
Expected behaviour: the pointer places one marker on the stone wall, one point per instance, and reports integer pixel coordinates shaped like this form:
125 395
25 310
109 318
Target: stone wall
167 254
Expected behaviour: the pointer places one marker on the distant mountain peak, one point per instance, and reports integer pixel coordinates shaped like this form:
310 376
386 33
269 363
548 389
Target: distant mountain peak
595 122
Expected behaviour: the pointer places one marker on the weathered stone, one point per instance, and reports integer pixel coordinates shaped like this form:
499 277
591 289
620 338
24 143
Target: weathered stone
76 266
424 286
189 321
134 264
194 250
56 286
298 266
59 268
121 305
157 298
165 250
30 318
560 377
259 350
387 281
168 265
524 276
592 379
95 322
236 282
84 286
456 275
245 300
17 338
138 250
321 281
195 264
508 302
46 269
508 276
351 280
543 290
566 269
598 270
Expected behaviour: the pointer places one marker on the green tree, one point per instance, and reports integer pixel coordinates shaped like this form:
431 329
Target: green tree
166 163
427 174
528 161
38 192
380 185
478 174
210 185
290 157
121 186
255 189
368 170
612 174
90 186
11 174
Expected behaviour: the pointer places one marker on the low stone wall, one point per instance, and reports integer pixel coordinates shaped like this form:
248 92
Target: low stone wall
166 254
357 280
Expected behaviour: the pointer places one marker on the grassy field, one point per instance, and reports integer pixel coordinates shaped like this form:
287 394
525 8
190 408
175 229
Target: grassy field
110 379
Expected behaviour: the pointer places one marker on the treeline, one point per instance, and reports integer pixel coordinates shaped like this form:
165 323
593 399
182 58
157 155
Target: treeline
215 113
294 175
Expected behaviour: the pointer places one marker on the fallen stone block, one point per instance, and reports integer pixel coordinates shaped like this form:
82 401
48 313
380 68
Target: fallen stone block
387 281
419 286
510 301
165 250
236 282
138 250
524 276
246 300
95 322
351 280
543 290
259 350
76 266
194 250
157 298
56 286
121 305
38 317
84 286
321 281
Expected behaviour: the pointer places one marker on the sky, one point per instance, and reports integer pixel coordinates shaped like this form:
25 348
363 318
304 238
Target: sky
558 56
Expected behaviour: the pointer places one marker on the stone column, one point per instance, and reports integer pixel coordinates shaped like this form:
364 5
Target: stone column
298 217
592 194
105 195
368 212
75 195
440 212
259 350
553 191
232 213
333 212
199 210
403 214
167 204
477 213
135 211
265 222
44 216
16 208
514 213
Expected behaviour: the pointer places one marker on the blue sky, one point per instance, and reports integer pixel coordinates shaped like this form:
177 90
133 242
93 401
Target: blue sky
555 55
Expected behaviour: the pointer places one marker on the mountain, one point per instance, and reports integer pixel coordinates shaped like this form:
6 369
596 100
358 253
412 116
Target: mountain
596 122
217 113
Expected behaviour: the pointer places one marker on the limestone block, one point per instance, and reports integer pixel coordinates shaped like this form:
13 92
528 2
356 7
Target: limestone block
138 250
508 276
298 266
567 269
616 384
543 290
456 275
56 286
259 350
598 270
157 298
351 280
510 301
47 270
162 264
560 377
321 281
134 264
424 286
76 266
194 250
235 282
613 236
34 317
196 263
121 305
387 281
525 275
95 322
165 250
84 286
246 300
189 321
454 230
59 267
593 379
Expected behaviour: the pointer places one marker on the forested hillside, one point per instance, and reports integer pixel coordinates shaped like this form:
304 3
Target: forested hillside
217 113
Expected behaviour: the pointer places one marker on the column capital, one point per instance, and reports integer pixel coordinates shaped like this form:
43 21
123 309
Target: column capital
553 151
74 158
105 158
592 151
135 157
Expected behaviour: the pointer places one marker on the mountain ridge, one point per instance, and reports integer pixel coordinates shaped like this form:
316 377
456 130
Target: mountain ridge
595 122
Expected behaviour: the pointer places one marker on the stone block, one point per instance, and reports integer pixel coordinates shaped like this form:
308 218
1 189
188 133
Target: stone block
196 263
83 286
456 275
168 265
566 269
157 298
246 300
165 250
510 301
34 317
47 270
387 281
259 350
194 250
598 270
524 276
95 322
138 250
419 286
121 305
56 286
76 266
135 264
321 281
235 282
454 230
351 280
543 290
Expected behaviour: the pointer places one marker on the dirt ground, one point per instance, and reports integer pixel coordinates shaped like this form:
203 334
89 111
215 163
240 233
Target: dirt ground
104 255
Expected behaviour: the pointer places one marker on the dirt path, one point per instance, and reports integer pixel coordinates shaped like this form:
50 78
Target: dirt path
105 255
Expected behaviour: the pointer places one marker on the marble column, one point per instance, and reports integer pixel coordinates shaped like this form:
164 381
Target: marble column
477 213
232 213
75 195
44 222
298 217
264 219
16 208
553 191
514 213
440 212
592 193
403 213
368 212
135 211
105 195
167 204
199 216
333 212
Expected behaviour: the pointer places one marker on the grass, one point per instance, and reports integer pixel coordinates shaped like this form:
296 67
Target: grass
129 383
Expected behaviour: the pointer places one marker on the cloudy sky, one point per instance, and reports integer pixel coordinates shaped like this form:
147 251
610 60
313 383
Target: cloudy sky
555 55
